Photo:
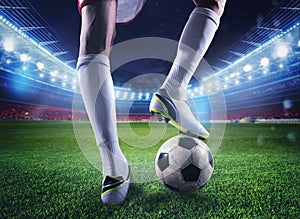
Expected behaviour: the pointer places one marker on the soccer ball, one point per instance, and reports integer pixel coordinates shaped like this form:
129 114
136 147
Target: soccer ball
184 163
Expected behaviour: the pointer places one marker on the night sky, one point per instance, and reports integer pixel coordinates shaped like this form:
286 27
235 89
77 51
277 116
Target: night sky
159 18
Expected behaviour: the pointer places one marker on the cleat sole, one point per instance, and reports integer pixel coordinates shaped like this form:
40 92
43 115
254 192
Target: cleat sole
181 129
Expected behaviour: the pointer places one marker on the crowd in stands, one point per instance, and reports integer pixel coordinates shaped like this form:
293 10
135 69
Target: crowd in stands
17 111
14 111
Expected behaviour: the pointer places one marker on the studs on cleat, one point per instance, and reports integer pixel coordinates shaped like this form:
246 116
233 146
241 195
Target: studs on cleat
157 115
160 117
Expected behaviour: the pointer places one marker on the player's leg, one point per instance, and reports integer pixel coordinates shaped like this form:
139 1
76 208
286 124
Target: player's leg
97 33
170 100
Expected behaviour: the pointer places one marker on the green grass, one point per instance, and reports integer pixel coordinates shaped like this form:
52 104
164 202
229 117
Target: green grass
45 174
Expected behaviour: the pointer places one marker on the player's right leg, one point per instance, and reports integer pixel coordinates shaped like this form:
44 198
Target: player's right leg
170 101
97 33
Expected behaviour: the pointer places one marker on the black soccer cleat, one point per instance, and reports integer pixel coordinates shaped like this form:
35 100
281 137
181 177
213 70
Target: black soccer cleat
115 188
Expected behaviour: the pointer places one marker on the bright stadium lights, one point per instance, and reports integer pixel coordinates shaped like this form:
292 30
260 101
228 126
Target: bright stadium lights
40 65
282 50
265 71
65 76
41 75
140 95
281 65
24 57
53 79
53 73
9 45
132 96
24 68
147 96
232 75
117 94
125 95
249 77
8 61
264 62
64 84
237 82
247 68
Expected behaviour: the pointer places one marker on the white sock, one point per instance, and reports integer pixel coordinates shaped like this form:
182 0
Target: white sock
194 42
98 95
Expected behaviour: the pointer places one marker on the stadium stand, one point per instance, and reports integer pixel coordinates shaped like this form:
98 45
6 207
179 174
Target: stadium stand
18 111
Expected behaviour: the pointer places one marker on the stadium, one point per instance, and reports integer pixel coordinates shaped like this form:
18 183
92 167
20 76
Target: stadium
249 98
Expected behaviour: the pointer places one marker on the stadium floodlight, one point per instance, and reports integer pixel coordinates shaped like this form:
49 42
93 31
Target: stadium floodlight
40 65
65 76
237 82
132 95
282 50
8 61
140 95
281 65
41 75
265 71
24 57
125 95
147 96
247 68
53 79
117 94
9 45
264 62
53 73
64 84
249 77
232 75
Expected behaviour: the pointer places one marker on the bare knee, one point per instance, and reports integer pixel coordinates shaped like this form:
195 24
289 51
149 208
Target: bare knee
97 28
216 5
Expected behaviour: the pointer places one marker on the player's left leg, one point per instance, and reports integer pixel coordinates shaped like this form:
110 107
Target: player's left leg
170 100
97 33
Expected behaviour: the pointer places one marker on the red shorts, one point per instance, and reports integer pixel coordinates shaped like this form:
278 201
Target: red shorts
127 10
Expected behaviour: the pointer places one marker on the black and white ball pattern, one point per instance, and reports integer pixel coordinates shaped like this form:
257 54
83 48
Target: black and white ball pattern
184 163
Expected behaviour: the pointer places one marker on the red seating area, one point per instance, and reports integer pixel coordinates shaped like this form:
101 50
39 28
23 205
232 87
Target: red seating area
17 111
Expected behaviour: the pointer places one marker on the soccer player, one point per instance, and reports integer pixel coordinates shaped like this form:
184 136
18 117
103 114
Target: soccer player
99 18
